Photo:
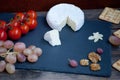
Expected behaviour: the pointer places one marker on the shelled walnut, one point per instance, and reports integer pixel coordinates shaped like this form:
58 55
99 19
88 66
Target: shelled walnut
84 62
95 66
94 57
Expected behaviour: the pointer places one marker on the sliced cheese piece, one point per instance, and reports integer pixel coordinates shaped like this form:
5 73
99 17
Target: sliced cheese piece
61 14
52 37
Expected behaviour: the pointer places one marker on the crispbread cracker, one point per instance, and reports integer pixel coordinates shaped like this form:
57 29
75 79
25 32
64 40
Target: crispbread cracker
116 65
110 15
117 33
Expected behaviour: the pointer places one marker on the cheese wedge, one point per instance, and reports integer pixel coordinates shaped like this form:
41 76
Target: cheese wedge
52 37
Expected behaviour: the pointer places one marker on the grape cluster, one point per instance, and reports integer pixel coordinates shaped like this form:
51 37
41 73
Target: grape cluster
12 53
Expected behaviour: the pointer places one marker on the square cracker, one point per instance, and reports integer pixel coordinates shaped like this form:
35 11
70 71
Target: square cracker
117 33
110 15
116 65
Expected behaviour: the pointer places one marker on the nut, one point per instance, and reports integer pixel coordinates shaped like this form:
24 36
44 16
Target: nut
84 62
94 57
95 67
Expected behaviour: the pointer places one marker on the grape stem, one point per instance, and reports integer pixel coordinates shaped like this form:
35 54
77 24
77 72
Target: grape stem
8 52
69 59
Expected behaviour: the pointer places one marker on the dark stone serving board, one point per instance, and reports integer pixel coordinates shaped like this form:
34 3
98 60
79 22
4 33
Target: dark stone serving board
75 45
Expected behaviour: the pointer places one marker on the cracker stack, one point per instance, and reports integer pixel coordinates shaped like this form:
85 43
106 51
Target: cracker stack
110 15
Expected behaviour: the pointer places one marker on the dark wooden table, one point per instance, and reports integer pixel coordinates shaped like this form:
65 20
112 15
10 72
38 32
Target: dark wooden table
42 75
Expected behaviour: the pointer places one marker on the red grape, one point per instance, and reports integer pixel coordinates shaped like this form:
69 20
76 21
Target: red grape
11 58
27 52
37 51
19 46
21 57
32 58
2 65
8 44
73 63
10 68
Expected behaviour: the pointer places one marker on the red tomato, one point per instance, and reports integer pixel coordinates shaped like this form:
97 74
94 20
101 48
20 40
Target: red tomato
19 16
32 23
31 14
3 35
14 33
3 25
14 23
24 28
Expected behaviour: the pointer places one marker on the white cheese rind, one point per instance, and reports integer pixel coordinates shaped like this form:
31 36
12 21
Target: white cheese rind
60 15
52 37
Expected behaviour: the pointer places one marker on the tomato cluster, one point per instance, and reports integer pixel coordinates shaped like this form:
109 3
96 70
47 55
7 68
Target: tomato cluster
19 25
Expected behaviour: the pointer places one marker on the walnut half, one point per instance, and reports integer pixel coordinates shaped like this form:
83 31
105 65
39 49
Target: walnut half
84 62
95 67
94 57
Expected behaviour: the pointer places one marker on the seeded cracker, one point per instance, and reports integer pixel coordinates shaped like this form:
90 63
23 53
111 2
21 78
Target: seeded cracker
116 65
110 15
117 33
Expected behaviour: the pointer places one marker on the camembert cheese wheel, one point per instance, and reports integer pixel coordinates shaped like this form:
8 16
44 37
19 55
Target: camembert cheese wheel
61 14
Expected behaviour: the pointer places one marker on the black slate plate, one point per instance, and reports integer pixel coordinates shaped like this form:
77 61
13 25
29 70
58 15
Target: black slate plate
75 45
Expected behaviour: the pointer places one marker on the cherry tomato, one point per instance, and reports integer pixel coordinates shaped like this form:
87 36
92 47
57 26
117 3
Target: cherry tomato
19 16
14 23
14 33
3 25
24 28
32 23
3 35
31 14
